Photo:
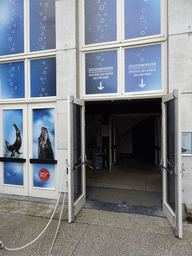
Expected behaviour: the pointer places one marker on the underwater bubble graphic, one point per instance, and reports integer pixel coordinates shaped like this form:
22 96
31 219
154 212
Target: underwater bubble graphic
46 4
12 75
15 88
13 31
142 33
98 57
43 47
40 39
10 38
12 49
43 89
101 7
11 83
44 72
41 78
43 62
45 18
102 20
141 17
12 69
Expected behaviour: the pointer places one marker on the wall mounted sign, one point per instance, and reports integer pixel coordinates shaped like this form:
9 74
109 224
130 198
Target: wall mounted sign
186 143
142 18
143 68
101 72
100 21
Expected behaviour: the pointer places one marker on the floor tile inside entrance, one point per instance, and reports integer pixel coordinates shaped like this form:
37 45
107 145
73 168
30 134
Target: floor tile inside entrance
131 182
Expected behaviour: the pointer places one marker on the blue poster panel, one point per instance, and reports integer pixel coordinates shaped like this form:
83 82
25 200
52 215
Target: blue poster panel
44 175
142 18
13 174
100 21
11 27
101 72
13 145
143 68
43 133
42 25
12 80
43 77
13 133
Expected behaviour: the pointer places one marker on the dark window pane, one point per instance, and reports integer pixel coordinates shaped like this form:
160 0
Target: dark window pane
11 27
43 77
171 160
12 80
42 25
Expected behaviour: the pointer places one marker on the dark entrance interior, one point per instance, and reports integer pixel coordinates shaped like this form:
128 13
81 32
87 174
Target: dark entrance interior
123 146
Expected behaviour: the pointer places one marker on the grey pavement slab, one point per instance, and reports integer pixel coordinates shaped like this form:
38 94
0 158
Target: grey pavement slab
93 233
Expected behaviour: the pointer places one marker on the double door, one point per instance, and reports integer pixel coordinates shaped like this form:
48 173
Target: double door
171 158
28 154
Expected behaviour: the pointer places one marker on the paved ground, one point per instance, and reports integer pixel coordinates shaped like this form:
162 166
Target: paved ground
94 232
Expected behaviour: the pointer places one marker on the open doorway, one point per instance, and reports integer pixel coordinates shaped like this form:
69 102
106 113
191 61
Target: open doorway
123 146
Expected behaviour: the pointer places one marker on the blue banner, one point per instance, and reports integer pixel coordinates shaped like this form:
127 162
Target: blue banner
101 72
11 27
12 80
100 21
143 68
142 18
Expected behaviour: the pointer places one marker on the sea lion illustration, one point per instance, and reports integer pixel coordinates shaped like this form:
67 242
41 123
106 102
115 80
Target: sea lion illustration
44 145
17 144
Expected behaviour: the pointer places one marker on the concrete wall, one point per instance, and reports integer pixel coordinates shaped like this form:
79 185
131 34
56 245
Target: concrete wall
180 73
67 75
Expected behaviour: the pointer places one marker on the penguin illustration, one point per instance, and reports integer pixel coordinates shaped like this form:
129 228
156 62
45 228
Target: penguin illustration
17 144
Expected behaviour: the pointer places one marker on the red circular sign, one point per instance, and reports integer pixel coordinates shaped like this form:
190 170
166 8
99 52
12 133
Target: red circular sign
44 174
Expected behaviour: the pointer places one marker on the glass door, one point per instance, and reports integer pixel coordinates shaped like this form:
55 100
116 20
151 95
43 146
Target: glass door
171 163
27 150
42 151
76 157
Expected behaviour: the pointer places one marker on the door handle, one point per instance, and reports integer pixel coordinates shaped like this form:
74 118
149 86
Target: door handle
161 165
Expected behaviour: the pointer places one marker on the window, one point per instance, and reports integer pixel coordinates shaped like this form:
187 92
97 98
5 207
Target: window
135 32
27 29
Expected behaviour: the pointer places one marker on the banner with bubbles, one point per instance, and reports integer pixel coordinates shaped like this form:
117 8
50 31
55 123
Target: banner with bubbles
142 18
100 21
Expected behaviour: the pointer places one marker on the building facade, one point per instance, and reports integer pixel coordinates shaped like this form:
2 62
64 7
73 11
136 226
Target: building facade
118 60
